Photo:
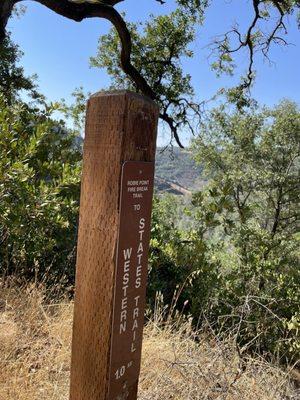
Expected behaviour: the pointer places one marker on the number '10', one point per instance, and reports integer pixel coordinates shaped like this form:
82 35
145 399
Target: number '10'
120 372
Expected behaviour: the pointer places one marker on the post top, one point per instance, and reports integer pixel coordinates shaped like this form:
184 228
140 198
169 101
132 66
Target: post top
125 93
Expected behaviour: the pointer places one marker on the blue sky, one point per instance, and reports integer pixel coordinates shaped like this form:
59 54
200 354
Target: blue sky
58 50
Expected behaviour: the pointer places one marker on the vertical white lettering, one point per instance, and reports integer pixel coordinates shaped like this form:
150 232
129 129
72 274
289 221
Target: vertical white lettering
136 312
125 279
135 325
122 327
138 283
125 290
141 234
124 303
137 298
140 248
127 253
139 270
133 349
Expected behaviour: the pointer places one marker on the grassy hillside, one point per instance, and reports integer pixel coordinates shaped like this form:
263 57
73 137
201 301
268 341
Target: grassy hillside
35 339
175 171
176 166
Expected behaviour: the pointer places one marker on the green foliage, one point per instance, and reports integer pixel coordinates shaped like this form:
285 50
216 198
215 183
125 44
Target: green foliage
75 112
234 262
180 268
253 204
237 264
156 53
12 78
40 169
194 7
253 159
39 194
159 47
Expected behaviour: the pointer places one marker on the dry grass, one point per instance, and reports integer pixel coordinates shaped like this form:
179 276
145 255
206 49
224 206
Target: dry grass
34 346
35 356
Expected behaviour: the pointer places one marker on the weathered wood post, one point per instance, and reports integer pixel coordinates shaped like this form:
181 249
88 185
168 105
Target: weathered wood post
113 242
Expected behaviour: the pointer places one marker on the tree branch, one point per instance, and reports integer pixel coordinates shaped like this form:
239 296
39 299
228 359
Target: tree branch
165 117
80 11
254 38
6 9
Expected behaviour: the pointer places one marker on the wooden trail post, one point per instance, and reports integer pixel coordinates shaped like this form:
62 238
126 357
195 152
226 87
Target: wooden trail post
113 242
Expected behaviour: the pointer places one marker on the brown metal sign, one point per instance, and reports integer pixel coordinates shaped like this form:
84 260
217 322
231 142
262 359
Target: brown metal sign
130 278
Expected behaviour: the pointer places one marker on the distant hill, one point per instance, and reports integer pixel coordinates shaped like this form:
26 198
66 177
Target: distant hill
176 172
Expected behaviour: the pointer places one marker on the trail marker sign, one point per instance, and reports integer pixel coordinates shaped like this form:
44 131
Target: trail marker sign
131 275
113 244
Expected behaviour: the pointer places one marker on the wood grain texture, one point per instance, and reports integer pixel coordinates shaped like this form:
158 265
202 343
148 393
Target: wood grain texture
120 126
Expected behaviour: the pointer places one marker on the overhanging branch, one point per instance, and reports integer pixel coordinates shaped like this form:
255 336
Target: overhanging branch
104 9
79 12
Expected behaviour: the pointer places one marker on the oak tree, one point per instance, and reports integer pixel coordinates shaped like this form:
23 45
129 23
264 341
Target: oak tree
266 27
